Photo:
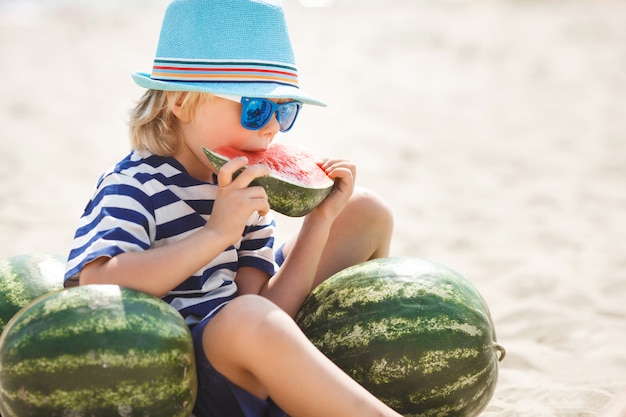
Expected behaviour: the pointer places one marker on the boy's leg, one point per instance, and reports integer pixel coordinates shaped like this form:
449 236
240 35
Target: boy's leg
361 232
258 347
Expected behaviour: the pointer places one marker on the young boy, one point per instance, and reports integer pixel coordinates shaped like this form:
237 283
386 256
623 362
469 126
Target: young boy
163 221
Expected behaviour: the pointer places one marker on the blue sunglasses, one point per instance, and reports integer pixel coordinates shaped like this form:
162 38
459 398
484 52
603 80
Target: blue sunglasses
257 112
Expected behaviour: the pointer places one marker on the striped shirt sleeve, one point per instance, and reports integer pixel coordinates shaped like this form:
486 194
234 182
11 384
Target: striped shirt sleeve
257 246
119 218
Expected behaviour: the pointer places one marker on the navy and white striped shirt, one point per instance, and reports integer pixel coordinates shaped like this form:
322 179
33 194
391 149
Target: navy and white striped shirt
147 201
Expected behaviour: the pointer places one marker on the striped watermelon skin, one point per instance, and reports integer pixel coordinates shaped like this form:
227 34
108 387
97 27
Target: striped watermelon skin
26 277
97 350
416 334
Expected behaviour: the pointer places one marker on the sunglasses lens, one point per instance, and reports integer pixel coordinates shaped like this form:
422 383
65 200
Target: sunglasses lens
256 113
286 115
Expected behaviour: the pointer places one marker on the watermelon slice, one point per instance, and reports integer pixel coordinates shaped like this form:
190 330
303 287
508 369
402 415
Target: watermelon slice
296 184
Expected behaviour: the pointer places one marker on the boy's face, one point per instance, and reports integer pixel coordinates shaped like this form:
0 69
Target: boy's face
216 123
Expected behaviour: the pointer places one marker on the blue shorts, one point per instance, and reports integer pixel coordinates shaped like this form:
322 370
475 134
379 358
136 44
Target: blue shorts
217 396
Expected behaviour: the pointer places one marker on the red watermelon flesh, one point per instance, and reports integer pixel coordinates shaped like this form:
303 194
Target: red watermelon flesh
289 162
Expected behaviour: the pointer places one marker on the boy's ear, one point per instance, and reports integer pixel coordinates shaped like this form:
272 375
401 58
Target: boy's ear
175 103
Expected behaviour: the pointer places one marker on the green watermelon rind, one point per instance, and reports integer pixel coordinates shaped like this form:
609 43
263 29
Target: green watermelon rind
443 337
97 350
284 196
25 277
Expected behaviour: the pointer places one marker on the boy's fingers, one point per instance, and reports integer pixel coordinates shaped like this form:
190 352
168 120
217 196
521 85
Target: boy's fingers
263 206
250 174
332 166
226 172
340 172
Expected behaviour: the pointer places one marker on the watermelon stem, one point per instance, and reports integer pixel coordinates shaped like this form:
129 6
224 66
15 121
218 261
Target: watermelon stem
502 352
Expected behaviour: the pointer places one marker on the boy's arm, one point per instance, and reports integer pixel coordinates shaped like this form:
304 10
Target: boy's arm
293 283
302 259
159 270
251 280
156 271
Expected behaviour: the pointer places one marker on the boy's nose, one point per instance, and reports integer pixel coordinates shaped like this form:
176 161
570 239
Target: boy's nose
272 127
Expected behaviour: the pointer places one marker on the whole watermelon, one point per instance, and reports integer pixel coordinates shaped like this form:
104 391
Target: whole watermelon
26 277
415 334
97 350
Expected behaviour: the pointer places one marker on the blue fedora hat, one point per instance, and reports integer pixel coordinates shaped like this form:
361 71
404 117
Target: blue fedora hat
231 47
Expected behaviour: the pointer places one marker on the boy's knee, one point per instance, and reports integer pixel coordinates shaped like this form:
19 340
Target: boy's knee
372 217
370 206
246 309
236 326
250 316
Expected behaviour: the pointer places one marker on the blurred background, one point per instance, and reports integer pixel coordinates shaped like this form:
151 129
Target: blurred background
495 129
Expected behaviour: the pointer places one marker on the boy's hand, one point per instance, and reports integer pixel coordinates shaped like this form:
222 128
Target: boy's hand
236 201
344 174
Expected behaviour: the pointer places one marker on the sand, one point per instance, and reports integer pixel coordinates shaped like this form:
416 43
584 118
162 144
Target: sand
495 129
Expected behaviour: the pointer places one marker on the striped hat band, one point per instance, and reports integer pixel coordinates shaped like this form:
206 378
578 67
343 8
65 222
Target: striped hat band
189 70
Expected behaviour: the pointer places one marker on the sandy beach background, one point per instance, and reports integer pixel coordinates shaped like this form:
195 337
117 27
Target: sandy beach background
495 129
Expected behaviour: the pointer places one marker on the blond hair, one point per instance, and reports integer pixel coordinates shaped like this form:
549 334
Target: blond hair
153 126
